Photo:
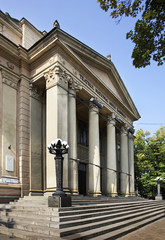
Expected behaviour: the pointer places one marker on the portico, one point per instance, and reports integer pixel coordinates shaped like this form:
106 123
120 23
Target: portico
71 92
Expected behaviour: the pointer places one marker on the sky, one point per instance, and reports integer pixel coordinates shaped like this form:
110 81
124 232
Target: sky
86 21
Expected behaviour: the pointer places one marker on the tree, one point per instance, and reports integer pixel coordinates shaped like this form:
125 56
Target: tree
149 161
148 34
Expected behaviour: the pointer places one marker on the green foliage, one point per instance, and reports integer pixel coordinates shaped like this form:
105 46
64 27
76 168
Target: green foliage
148 34
149 161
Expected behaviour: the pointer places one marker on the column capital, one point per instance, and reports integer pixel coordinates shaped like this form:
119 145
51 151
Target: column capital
56 75
93 107
124 129
111 119
74 84
131 136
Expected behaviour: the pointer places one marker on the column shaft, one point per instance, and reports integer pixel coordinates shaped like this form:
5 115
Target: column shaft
94 151
72 140
124 178
56 122
111 159
131 164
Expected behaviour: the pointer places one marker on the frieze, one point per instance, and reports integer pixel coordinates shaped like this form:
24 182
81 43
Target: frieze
89 84
10 81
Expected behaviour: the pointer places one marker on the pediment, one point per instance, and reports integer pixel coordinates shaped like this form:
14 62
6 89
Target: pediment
108 78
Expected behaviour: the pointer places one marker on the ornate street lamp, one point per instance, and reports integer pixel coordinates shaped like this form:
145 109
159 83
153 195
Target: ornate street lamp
159 196
59 198
58 148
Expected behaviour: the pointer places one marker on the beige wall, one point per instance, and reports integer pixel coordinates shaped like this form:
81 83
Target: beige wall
10 34
36 148
29 35
9 128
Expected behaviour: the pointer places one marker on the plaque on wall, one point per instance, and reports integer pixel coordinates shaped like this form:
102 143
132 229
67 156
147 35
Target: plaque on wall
9 163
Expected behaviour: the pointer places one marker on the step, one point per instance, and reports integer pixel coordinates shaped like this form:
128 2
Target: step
125 230
97 208
93 218
26 235
112 229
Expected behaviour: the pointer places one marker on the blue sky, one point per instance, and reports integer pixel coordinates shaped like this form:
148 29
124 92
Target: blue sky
86 21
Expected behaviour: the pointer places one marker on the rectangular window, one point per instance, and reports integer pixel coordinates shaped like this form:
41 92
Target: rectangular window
82 133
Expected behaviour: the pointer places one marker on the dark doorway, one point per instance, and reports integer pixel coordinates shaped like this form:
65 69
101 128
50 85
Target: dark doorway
82 178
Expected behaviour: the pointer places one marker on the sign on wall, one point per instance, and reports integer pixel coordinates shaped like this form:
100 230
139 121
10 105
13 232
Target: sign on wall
9 163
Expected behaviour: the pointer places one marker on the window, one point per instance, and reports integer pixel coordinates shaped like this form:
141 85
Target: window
82 133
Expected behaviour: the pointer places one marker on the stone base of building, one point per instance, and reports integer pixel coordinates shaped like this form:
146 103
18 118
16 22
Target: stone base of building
112 194
59 201
159 198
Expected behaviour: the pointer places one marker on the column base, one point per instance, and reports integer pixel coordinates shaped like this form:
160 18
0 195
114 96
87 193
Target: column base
112 194
59 201
74 192
95 194
132 194
159 197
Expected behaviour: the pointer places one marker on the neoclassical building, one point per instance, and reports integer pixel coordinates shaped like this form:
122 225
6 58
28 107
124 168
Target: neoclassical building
54 86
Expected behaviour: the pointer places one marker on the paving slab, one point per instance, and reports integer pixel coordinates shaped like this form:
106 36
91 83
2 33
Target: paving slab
153 231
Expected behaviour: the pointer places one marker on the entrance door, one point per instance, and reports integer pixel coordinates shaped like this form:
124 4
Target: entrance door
82 178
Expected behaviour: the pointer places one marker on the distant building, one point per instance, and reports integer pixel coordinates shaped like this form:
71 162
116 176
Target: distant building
54 86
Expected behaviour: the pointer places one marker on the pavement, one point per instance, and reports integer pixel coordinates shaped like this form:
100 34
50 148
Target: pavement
153 231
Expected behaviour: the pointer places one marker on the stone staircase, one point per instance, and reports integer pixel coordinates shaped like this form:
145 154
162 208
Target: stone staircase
89 218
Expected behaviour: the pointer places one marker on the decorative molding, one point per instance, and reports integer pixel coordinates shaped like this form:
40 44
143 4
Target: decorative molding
10 65
74 85
10 80
51 60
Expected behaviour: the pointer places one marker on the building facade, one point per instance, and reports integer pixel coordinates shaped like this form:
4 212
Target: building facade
54 86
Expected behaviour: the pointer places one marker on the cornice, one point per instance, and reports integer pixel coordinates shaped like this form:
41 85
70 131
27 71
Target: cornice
42 46
7 20
12 49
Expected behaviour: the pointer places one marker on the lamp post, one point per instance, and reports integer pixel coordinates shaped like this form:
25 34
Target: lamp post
159 196
59 198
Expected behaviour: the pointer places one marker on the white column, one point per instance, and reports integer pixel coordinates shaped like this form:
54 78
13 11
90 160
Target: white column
131 163
72 140
56 122
94 151
124 177
111 157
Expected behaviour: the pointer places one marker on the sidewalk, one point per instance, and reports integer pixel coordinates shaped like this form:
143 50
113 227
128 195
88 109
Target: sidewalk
153 231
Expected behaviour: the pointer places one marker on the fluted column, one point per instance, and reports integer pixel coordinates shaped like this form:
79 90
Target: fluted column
131 163
124 177
111 157
94 151
72 136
